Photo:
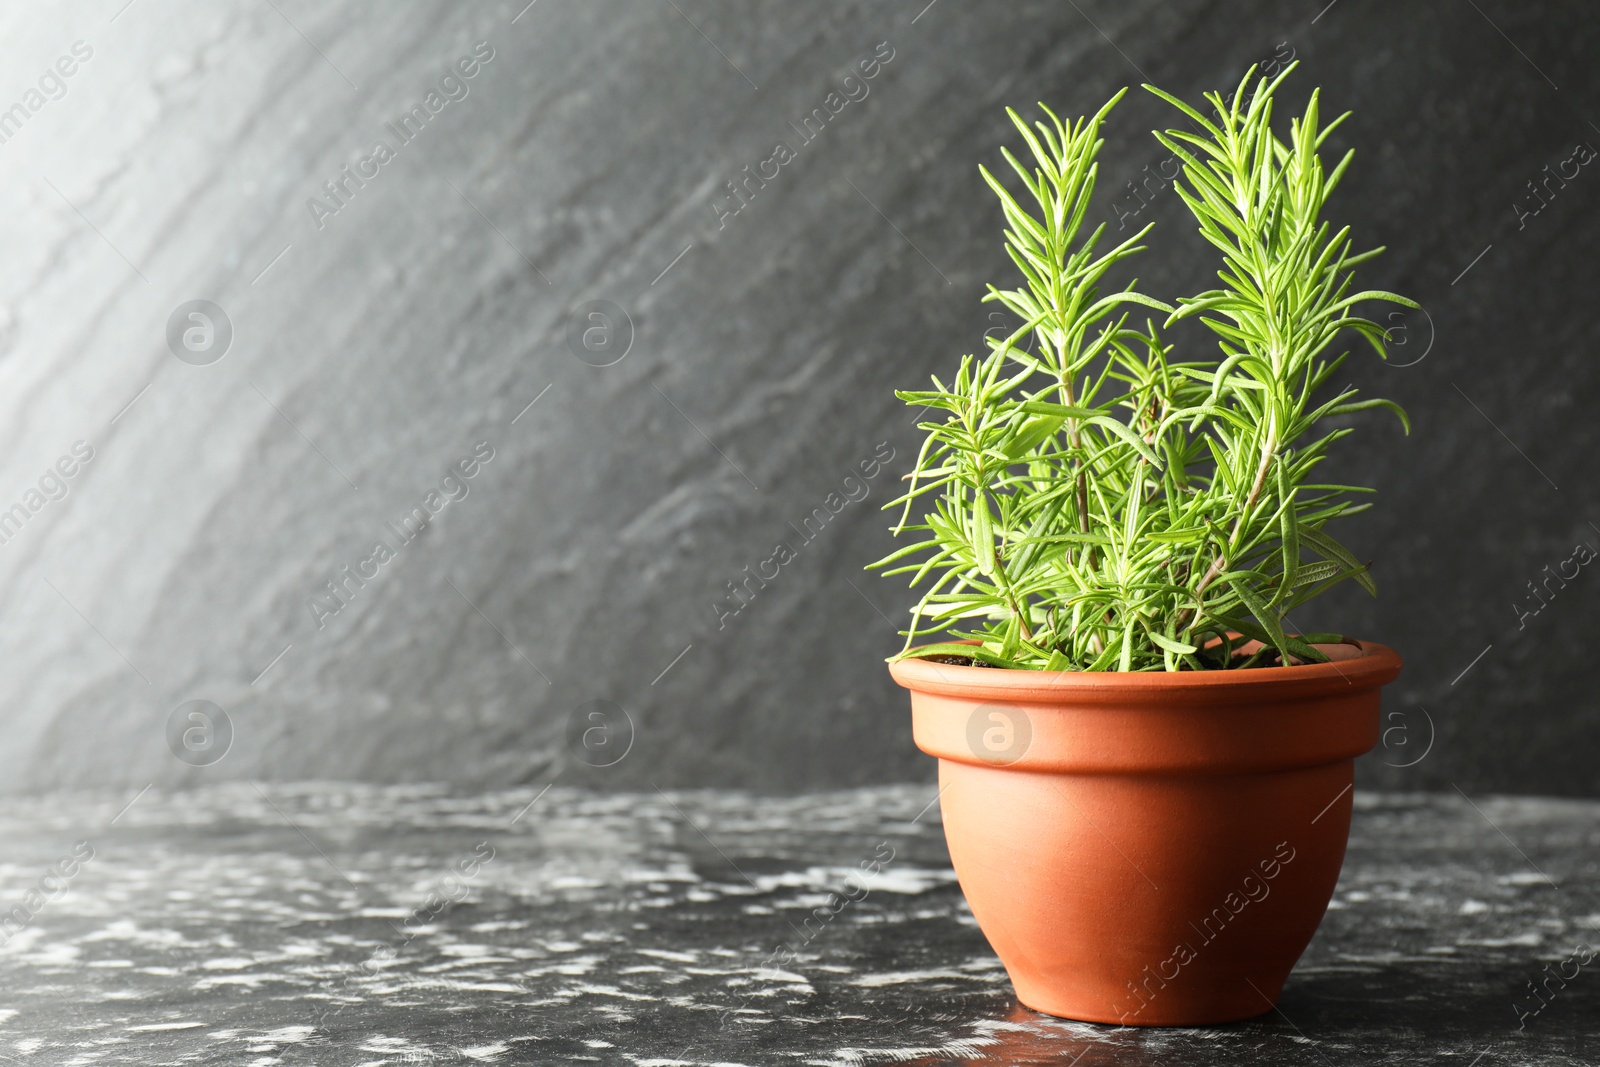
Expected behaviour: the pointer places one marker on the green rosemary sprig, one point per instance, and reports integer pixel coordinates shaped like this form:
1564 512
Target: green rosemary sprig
1086 502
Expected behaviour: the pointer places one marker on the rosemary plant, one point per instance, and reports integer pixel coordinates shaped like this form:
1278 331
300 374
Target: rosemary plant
1090 504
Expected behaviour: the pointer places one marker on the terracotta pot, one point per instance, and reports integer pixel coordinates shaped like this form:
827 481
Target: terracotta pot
1153 849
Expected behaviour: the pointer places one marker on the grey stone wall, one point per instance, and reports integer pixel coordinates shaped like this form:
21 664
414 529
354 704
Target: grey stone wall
389 336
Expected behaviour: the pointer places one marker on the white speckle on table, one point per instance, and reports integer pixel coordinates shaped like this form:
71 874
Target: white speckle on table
286 1035
485 1052
874 981
228 963
613 991
1523 878
1531 939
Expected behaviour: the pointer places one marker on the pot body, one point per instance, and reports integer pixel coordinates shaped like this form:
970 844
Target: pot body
1149 849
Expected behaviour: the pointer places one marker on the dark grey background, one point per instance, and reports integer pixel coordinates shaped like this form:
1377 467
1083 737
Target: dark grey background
586 559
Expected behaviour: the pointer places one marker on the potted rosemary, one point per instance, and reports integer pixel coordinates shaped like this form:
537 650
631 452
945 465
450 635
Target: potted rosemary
1146 773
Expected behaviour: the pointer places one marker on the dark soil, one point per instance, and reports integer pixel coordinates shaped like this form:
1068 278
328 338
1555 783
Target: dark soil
956 661
1271 659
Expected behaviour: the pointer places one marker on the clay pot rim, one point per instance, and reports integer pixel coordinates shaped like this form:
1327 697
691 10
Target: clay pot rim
1368 665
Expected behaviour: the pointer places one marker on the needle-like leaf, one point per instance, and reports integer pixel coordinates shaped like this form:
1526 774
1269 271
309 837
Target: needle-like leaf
1090 504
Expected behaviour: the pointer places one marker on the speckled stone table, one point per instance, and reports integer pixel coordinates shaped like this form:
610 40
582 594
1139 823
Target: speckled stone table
343 925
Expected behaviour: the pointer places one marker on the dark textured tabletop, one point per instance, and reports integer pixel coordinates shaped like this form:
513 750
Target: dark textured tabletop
344 925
